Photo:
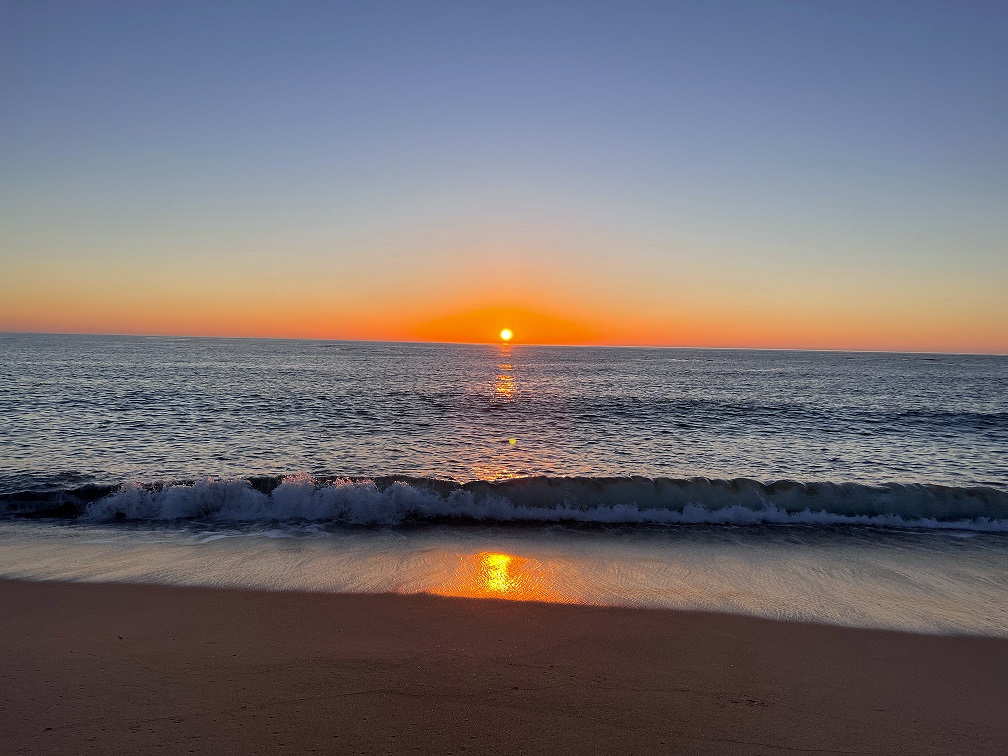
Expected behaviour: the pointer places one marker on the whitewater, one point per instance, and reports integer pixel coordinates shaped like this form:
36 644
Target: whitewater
402 501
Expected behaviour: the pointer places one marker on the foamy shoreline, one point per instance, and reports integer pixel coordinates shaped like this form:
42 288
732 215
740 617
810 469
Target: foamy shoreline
918 581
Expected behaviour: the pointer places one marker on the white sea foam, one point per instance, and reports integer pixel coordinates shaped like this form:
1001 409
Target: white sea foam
583 500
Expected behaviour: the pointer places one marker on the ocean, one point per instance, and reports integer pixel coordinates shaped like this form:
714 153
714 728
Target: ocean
863 489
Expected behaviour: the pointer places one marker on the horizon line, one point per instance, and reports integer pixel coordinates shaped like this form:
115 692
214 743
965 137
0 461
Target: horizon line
502 343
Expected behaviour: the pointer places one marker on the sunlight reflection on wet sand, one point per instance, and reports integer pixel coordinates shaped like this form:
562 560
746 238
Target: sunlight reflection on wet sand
504 576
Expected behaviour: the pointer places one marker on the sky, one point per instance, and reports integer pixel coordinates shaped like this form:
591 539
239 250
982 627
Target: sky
826 175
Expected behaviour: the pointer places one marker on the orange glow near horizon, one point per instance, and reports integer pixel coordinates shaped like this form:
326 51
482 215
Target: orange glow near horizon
535 327
693 320
498 575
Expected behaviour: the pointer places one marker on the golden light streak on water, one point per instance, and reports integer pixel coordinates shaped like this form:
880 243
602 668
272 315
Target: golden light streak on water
504 388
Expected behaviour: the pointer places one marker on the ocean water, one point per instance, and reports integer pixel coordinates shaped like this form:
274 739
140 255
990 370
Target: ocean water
858 488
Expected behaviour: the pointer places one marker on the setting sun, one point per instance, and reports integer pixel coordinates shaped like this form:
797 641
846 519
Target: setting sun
506 334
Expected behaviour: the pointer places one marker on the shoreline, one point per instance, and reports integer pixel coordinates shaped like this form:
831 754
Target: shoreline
126 668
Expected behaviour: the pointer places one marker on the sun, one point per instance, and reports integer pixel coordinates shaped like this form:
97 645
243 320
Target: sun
506 334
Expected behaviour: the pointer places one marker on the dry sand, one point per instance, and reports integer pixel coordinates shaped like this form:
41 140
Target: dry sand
137 669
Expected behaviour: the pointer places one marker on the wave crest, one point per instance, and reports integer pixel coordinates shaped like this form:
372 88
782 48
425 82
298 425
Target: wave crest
631 500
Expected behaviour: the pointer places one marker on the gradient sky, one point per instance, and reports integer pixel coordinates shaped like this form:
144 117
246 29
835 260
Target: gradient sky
764 174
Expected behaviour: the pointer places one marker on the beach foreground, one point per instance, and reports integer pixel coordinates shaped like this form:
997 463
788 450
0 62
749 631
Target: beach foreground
127 668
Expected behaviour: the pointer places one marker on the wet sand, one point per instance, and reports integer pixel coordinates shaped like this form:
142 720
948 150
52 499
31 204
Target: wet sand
124 669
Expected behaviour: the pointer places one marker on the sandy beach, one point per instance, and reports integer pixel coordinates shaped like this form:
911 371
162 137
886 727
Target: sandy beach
127 669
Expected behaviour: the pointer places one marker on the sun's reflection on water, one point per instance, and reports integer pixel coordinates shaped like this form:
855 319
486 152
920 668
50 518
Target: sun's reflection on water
502 391
494 472
500 575
505 386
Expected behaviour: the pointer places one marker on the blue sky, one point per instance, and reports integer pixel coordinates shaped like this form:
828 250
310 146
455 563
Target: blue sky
612 152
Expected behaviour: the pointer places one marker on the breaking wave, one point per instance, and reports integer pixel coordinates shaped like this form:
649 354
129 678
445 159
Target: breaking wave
631 500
